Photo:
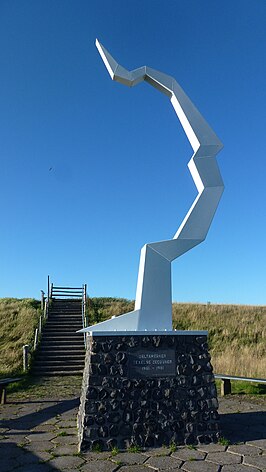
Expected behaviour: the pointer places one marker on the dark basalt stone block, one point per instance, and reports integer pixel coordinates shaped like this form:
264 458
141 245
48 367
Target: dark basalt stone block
147 390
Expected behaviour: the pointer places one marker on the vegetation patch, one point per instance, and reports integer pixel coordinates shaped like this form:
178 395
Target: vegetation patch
237 336
18 320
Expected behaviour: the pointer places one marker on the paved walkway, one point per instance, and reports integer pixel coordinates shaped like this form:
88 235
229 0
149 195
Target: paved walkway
41 436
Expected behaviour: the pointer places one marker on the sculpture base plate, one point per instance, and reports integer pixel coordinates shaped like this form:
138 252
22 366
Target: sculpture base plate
148 390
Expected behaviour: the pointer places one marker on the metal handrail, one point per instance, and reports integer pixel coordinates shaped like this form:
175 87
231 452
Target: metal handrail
73 292
84 298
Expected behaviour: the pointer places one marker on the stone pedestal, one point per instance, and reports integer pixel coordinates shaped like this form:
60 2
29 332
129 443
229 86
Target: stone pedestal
148 390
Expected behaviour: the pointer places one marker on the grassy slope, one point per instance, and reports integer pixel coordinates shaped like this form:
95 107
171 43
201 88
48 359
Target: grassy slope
18 319
237 334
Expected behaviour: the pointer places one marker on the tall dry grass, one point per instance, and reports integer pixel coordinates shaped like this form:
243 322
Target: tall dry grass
18 320
237 335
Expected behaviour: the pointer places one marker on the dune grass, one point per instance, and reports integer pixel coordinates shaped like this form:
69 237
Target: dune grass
237 333
18 320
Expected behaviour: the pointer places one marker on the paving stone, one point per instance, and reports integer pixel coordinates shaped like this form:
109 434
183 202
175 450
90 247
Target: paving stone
258 443
244 450
211 448
134 468
256 461
39 446
44 456
200 466
105 466
7 464
67 450
41 437
67 424
68 431
96 456
3 430
15 438
44 428
130 458
238 468
29 458
65 440
35 468
52 421
224 458
12 451
164 463
160 451
186 454
66 462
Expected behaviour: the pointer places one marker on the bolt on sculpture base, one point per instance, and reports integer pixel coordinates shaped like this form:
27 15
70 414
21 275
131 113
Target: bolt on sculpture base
153 306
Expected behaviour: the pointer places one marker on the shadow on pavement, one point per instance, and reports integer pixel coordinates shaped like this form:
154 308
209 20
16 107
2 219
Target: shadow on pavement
34 418
246 426
13 457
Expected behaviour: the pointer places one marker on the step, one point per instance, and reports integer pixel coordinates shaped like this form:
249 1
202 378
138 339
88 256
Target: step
50 373
63 323
62 343
55 333
56 363
55 327
63 314
58 368
54 356
64 319
65 311
61 349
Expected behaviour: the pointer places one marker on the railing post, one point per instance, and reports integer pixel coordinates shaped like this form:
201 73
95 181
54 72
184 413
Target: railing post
225 387
36 338
25 357
42 299
40 324
45 312
48 289
84 289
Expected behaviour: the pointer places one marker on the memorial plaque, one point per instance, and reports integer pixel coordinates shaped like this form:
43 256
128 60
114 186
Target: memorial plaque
149 363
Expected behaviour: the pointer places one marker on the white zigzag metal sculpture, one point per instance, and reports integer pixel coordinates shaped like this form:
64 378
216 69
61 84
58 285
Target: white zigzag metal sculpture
153 306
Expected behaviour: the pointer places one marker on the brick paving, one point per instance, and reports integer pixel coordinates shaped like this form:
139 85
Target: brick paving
41 436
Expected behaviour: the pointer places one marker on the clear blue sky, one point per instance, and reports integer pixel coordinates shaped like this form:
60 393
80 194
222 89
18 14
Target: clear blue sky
92 170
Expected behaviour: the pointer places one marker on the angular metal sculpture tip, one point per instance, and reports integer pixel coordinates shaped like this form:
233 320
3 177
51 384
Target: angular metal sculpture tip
109 62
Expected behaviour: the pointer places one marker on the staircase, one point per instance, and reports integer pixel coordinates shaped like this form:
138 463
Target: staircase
61 350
